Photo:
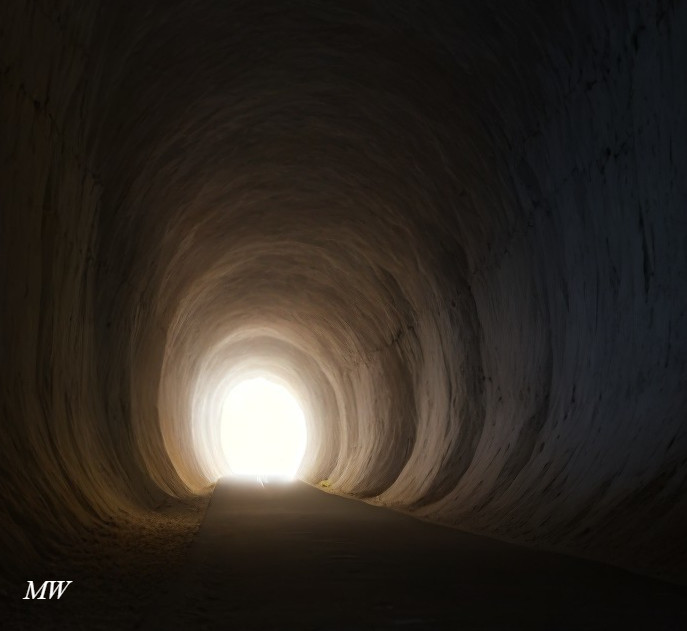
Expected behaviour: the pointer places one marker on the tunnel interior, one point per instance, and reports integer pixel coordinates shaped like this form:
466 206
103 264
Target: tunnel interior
456 232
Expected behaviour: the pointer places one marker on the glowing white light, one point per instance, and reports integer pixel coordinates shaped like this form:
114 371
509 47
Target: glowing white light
263 430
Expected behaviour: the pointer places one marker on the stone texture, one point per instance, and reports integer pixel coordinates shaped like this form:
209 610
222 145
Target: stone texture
458 233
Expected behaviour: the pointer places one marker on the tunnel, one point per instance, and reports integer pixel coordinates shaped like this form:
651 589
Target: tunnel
456 232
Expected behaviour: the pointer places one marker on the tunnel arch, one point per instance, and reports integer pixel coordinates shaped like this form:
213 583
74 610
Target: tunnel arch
457 232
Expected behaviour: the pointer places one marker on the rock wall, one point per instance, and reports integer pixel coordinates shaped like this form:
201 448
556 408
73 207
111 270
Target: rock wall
457 233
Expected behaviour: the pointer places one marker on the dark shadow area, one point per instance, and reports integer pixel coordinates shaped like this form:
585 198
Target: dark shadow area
288 556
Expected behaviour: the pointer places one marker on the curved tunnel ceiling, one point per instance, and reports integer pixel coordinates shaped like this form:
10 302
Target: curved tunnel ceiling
456 233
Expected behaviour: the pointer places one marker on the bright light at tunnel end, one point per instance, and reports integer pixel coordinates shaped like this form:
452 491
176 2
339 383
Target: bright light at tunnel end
263 431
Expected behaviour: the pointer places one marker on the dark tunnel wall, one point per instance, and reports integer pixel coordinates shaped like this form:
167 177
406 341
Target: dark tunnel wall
457 232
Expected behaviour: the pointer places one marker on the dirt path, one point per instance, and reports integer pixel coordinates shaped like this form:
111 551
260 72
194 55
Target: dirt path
293 557
117 572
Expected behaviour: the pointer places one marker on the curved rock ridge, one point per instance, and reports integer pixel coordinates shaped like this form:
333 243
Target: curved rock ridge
457 234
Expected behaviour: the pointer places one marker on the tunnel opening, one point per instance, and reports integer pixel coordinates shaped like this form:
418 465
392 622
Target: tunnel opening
263 430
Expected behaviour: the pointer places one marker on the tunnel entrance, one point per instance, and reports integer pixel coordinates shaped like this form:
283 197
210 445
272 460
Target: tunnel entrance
263 430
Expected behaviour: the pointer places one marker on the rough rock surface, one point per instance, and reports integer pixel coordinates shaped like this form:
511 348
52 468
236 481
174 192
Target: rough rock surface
458 232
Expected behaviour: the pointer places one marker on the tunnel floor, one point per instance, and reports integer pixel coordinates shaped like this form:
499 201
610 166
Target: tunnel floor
290 556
